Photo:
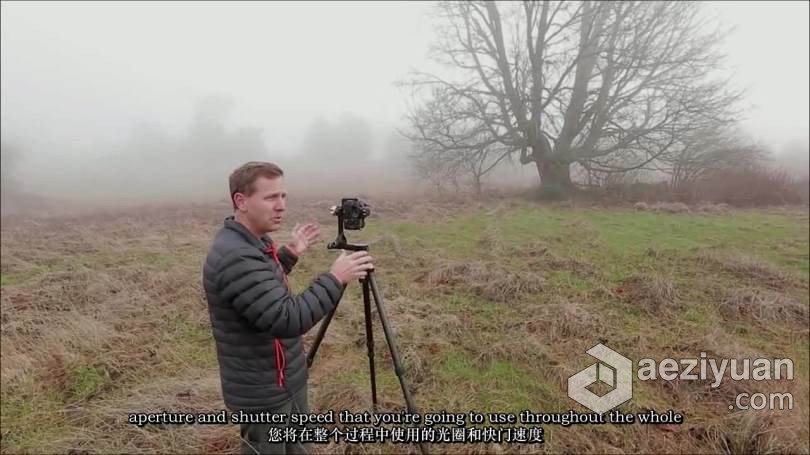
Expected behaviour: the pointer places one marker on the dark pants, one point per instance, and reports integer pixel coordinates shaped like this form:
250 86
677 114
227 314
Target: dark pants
255 436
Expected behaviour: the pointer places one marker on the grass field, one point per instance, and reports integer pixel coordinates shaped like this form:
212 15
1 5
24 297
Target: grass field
494 306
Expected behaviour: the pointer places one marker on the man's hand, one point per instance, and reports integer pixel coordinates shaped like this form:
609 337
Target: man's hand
351 266
304 236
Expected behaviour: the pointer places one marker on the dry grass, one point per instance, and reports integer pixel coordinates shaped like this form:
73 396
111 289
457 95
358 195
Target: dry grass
564 320
492 240
756 271
755 432
91 310
103 315
662 207
578 267
485 280
533 249
104 426
642 206
708 207
764 306
679 207
652 294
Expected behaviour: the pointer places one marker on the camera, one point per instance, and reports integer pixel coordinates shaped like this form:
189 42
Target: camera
352 212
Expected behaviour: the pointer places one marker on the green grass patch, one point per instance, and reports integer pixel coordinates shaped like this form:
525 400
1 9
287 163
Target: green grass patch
457 236
630 233
697 315
461 303
24 276
28 425
31 417
86 380
500 387
186 343
566 279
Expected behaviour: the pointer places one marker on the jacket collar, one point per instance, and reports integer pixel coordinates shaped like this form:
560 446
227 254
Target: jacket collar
260 243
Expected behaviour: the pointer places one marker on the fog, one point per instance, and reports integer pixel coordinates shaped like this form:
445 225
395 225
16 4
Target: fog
151 101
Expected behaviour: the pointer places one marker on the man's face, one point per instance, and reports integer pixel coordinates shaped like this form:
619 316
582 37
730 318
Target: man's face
264 209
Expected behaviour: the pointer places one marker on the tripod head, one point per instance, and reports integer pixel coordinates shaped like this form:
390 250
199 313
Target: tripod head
351 214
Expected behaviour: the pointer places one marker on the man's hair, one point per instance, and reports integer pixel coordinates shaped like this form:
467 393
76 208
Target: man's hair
243 178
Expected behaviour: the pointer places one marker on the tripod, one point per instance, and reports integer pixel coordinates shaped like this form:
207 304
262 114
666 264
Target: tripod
369 289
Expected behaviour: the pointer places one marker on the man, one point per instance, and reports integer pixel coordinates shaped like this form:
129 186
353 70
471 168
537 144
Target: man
256 319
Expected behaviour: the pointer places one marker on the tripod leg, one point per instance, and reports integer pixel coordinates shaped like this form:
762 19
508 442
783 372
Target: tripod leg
389 337
319 337
370 343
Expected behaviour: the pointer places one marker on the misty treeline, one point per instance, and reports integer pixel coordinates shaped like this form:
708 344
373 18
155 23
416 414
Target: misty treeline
587 93
147 163
583 95
150 163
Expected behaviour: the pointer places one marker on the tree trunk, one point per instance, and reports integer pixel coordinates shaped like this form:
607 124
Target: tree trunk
555 178
477 184
554 173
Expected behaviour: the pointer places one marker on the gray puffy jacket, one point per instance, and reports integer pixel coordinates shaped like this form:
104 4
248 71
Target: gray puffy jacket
257 322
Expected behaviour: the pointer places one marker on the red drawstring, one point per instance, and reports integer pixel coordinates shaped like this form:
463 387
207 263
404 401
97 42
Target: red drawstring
281 361
272 250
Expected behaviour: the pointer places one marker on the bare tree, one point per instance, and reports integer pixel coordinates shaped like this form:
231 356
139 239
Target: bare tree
703 152
437 170
571 82
450 146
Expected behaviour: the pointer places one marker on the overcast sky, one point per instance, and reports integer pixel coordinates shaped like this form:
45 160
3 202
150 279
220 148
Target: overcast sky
76 74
